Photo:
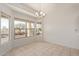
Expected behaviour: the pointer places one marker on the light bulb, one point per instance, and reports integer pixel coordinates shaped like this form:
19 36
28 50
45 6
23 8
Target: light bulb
36 14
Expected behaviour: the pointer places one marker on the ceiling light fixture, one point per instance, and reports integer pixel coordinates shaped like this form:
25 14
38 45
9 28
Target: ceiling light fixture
40 14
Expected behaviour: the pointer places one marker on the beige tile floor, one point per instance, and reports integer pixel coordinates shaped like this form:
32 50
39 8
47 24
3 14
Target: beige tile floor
43 49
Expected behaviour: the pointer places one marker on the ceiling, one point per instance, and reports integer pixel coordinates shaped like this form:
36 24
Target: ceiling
46 7
32 8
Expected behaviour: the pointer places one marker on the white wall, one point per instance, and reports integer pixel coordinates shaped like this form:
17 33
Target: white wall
60 25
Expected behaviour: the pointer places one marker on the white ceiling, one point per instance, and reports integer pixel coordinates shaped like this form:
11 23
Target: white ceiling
46 7
36 6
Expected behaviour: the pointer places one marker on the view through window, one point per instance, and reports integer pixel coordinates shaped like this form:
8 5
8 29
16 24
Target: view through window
4 30
19 28
30 29
38 28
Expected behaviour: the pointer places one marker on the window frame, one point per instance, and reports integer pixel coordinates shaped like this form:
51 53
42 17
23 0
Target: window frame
23 20
31 28
4 15
38 28
33 34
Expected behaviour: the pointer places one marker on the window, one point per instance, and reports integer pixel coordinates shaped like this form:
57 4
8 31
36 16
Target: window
19 29
4 30
38 28
30 29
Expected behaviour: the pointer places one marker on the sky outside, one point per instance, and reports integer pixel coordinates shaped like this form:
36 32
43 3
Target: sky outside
4 23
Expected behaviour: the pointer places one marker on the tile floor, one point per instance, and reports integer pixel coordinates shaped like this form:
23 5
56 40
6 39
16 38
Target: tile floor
43 49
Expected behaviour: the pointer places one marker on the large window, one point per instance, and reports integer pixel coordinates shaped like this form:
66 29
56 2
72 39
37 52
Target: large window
38 28
19 29
4 29
30 29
